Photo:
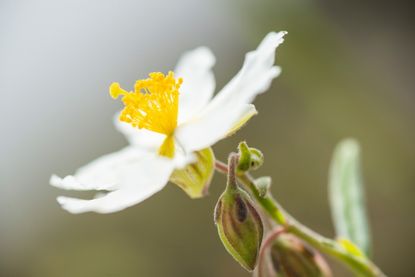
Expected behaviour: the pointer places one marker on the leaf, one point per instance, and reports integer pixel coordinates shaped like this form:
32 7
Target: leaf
346 195
195 178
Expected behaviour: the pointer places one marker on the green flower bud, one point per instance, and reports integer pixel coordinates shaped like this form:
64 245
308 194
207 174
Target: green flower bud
249 158
239 224
291 257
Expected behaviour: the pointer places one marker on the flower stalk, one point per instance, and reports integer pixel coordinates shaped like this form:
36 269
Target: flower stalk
361 266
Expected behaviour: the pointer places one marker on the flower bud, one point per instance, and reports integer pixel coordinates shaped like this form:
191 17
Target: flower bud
249 158
239 224
291 257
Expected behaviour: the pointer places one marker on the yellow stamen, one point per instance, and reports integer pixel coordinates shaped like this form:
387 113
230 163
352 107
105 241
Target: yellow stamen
153 105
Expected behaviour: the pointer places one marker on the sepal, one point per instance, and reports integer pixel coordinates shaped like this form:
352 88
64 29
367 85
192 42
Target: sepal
195 178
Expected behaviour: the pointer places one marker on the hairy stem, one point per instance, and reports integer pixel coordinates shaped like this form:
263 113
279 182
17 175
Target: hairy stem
362 266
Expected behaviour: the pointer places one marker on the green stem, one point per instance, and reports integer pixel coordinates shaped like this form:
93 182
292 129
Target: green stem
362 266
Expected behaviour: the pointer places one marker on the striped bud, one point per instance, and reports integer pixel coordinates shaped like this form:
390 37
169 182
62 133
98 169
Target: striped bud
239 224
291 257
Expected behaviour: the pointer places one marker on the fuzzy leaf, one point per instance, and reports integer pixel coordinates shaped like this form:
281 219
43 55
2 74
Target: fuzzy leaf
346 195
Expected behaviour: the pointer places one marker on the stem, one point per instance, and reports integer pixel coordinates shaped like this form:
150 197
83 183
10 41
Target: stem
231 169
362 266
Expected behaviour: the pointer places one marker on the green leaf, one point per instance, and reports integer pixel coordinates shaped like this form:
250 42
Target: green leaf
346 195
195 178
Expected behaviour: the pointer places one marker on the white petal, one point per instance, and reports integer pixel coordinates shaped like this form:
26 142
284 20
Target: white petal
103 173
112 202
139 137
131 176
71 183
181 158
231 103
255 75
195 67
206 131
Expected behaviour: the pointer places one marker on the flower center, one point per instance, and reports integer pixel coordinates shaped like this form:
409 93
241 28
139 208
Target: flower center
153 105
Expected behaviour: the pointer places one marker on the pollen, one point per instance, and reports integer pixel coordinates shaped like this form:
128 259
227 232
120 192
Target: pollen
154 103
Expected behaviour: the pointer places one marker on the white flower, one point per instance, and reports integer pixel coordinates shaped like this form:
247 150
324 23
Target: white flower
166 121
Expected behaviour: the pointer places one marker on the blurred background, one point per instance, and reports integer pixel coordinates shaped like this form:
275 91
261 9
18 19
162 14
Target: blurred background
348 70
